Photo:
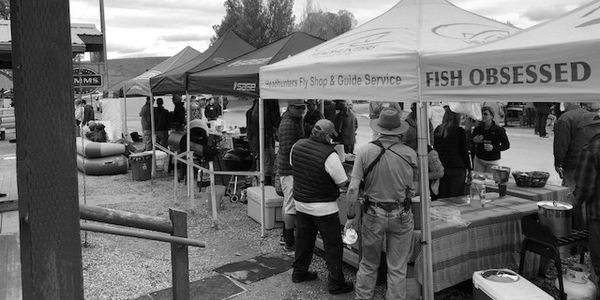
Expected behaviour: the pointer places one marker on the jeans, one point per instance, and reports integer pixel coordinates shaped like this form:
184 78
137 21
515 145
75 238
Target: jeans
397 229
540 123
307 227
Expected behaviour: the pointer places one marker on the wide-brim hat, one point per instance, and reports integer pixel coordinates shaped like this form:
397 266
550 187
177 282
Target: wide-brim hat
389 123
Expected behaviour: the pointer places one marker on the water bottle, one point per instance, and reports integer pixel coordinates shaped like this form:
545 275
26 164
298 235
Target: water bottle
477 193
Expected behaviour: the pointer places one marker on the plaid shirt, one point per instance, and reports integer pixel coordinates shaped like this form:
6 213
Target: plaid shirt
291 129
587 177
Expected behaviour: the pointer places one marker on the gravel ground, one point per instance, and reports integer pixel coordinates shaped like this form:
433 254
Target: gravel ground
116 267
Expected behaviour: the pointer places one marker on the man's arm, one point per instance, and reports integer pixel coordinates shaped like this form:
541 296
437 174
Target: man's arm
585 176
562 138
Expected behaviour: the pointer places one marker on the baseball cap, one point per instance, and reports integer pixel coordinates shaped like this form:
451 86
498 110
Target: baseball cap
324 126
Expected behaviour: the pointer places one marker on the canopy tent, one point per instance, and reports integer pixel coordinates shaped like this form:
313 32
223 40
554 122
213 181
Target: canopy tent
240 77
140 85
380 61
554 61
228 46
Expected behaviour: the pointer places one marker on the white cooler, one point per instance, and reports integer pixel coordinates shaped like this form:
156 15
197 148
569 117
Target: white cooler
273 203
504 284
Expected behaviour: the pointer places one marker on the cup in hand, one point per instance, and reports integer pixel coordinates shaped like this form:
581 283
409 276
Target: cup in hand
487 145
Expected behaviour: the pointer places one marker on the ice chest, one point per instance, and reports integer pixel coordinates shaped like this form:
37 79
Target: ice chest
273 203
504 284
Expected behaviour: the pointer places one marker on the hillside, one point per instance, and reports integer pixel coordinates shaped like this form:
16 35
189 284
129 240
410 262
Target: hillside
123 69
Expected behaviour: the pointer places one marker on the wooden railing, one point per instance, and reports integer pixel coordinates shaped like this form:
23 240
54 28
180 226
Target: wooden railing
176 226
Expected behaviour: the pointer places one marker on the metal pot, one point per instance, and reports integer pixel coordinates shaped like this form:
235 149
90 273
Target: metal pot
557 216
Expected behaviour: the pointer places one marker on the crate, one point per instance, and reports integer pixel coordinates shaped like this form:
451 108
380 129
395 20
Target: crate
273 204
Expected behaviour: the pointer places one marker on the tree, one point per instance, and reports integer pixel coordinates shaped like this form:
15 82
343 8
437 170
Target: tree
325 25
256 23
5 9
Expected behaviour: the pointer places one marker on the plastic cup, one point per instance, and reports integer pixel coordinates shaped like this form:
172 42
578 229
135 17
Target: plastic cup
350 236
502 190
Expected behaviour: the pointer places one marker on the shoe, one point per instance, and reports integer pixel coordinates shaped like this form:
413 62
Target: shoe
544 136
282 240
308 276
345 288
287 248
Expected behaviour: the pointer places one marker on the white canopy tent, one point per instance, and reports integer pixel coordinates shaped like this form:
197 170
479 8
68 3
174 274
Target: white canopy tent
380 61
555 61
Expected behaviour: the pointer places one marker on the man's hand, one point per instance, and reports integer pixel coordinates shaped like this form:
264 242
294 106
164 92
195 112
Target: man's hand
478 139
351 224
560 171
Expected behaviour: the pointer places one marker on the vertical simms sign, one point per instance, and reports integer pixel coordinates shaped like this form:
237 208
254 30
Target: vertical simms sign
86 81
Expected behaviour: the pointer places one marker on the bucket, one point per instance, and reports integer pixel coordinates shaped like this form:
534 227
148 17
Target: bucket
557 216
141 166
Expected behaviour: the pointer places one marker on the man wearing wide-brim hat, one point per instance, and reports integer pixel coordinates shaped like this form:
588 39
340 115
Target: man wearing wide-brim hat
385 213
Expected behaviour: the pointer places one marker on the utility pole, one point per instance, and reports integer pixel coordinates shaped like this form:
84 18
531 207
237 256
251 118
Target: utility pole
104 50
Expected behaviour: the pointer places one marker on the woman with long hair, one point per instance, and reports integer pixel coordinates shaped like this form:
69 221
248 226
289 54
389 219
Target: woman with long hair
449 139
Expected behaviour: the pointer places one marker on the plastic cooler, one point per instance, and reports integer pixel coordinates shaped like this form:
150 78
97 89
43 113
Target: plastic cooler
504 284
273 203
141 166
161 159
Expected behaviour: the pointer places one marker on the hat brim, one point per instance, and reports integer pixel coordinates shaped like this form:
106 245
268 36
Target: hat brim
387 131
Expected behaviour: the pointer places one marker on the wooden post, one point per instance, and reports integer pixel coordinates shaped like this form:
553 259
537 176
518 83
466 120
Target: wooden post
213 196
46 166
179 257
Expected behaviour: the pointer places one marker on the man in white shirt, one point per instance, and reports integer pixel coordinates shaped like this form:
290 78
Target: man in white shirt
318 174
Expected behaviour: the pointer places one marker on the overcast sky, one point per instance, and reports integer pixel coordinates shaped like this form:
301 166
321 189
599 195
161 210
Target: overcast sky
142 28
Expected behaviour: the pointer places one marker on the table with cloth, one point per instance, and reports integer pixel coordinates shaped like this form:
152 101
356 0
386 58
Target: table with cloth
491 239
547 192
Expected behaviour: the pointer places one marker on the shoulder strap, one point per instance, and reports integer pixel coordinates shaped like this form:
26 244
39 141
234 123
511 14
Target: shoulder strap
376 160
404 158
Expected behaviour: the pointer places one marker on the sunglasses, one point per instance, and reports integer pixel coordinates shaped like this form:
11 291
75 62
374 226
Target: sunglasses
486 114
299 106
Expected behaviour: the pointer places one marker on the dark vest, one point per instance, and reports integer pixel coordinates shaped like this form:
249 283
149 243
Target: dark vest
311 182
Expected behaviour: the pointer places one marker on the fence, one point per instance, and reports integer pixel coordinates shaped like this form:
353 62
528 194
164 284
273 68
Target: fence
176 226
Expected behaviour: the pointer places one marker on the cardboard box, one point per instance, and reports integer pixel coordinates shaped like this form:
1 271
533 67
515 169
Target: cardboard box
273 203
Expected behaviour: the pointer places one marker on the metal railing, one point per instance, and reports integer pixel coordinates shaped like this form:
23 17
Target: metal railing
175 226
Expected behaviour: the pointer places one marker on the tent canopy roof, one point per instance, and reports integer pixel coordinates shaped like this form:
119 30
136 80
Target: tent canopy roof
140 85
387 48
554 61
240 75
228 46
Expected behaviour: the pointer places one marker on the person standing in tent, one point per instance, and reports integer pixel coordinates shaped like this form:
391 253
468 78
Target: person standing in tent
489 140
161 123
212 110
291 129
146 125
318 175
313 114
387 167
346 125
542 110
271 123
450 140
178 120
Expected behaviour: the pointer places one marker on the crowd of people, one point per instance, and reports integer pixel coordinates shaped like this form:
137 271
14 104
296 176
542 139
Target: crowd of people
385 175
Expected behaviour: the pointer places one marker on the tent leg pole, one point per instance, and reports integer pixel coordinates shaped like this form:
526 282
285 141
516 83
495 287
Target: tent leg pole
261 144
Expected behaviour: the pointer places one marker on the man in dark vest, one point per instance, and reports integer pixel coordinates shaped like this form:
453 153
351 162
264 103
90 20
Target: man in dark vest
318 175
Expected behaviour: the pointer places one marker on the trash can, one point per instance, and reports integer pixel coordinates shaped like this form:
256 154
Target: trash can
141 166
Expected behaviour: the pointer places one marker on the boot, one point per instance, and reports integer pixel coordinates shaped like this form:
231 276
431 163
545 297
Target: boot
289 240
282 237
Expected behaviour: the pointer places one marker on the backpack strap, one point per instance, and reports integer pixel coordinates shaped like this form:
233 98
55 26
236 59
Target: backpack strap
376 160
